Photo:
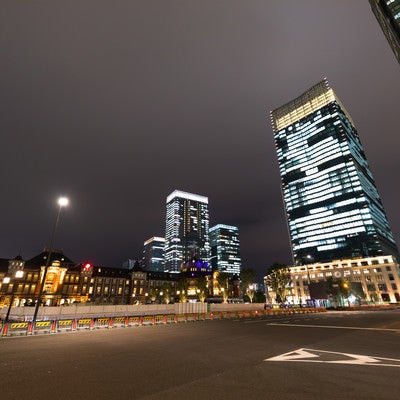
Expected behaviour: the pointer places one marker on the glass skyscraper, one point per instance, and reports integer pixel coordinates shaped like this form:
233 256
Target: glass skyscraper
186 229
332 204
387 12
225 249
153 254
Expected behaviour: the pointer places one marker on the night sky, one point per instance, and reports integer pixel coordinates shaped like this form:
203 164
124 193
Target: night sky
115 104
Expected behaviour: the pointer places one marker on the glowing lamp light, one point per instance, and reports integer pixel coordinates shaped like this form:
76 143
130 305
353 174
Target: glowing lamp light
19 274
63 201
87 266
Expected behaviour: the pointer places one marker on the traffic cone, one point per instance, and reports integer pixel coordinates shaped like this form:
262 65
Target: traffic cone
165 319
127 321
5 330
30 328
53 328
111 323
140 321
91 324
74 324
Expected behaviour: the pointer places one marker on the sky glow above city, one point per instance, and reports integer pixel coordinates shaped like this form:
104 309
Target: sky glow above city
116 105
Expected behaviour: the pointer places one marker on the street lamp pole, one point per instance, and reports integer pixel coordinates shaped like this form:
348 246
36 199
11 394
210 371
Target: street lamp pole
62 202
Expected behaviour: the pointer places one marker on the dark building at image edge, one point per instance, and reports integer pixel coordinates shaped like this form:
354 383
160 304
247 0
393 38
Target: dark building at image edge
387 12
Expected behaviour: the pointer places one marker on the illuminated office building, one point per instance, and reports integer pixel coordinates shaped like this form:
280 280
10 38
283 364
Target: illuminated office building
333 207
225 249
387 12
153 254
186 229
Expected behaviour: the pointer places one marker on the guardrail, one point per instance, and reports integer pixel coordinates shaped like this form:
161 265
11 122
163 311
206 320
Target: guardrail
76 324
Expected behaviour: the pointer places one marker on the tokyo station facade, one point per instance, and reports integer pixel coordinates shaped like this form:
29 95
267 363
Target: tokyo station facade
68 282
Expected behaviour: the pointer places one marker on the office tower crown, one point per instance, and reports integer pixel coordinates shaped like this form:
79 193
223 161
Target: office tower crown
309 102
187 196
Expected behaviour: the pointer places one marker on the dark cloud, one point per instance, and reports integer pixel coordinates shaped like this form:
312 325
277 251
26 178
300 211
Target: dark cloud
117 105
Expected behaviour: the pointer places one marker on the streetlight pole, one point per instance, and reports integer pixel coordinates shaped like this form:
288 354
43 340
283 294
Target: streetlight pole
62 202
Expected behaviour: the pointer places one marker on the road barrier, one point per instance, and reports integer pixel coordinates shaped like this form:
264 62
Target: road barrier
77 324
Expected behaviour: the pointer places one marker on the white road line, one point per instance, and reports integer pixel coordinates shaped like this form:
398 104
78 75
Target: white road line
336 327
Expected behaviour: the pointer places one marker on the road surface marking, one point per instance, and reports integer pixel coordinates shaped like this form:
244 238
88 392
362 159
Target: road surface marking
333 357
335 327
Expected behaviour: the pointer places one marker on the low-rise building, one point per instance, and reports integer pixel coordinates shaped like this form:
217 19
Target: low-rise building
370 279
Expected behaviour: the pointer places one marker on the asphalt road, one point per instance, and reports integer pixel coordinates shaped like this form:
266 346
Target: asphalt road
228 359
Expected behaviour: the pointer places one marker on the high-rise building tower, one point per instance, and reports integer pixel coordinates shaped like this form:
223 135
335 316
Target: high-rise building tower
153 254
186 229
225 249
333 207
387 12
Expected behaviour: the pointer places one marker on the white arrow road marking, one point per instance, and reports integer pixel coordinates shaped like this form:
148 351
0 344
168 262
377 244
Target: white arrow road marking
305 355
293 355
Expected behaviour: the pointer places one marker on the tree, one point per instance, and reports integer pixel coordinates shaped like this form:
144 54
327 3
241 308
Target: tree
278 279
166 293
152 294
202 288
223 283
247 277
183 286
250 292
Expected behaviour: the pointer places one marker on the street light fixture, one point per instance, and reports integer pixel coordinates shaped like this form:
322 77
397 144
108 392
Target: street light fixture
62 202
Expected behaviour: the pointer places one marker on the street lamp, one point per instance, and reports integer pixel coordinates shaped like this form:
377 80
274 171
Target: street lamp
62 202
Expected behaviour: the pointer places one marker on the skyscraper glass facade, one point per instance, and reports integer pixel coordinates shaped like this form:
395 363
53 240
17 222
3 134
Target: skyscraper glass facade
387 12
153 254
225 249
186 229
333 207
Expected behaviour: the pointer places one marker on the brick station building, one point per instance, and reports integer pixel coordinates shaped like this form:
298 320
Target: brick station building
68 282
